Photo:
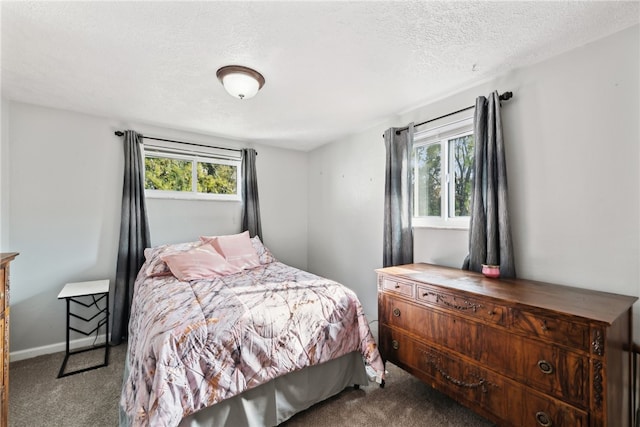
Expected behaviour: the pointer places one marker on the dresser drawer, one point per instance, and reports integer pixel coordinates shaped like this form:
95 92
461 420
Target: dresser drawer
463 381
564 375
545 367
541 411
448 331
474 308
569 333
402 288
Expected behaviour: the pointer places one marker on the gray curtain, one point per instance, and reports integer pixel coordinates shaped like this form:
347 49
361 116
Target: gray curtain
250 202
398 198
490 228
134 235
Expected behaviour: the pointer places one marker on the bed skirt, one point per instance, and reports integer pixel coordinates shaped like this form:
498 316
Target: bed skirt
278 400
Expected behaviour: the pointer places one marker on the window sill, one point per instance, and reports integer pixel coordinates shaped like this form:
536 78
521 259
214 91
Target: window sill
177 195
440 223
444 227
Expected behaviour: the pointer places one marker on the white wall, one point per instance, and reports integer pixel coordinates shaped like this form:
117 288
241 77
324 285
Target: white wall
572 142
65 173
346 198
4 176
282 181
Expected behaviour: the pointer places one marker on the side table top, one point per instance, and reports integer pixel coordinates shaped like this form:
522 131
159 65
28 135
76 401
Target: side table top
84 288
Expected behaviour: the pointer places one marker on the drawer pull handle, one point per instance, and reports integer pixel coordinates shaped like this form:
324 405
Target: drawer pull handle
481 383
444 299
397 286
543 419
395 344
396 312
545 367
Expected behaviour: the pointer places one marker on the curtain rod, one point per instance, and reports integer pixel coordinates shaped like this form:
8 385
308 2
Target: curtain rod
120 133
504 97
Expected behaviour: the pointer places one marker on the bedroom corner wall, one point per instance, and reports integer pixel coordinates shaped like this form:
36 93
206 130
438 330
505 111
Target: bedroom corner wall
573 156
282 186
65 176
346 187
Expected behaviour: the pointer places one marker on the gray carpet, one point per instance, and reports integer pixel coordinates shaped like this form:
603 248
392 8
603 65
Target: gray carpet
38 398
90 399
403 402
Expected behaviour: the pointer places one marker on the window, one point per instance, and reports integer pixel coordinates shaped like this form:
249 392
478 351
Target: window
442 175
171 171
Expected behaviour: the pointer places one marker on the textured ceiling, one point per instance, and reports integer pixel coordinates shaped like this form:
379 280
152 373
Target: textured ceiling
331 68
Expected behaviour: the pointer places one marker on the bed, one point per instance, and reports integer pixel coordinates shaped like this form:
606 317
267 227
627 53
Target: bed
222 333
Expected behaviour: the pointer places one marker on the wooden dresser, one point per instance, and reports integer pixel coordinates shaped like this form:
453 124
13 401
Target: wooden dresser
518 352
5 259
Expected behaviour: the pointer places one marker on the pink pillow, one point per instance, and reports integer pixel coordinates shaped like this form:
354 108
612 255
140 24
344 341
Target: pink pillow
199 263
236 249
154 265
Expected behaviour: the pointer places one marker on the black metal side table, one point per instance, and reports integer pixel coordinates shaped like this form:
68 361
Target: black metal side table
98 291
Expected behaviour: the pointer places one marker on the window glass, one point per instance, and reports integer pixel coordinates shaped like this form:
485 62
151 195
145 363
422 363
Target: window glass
429 180
161 173
461 157
442 175
215 178
181 174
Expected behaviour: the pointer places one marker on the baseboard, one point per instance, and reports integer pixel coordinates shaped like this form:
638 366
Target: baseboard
15 356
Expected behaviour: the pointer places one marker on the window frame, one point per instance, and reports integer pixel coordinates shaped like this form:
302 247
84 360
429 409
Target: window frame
441 135
195 156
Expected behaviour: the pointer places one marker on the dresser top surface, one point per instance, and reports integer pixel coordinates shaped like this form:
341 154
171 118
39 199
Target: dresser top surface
589 304
7 256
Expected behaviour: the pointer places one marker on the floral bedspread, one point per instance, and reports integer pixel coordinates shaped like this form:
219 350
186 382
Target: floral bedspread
192 344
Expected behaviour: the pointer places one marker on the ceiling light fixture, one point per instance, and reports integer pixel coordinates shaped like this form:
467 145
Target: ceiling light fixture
240 82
